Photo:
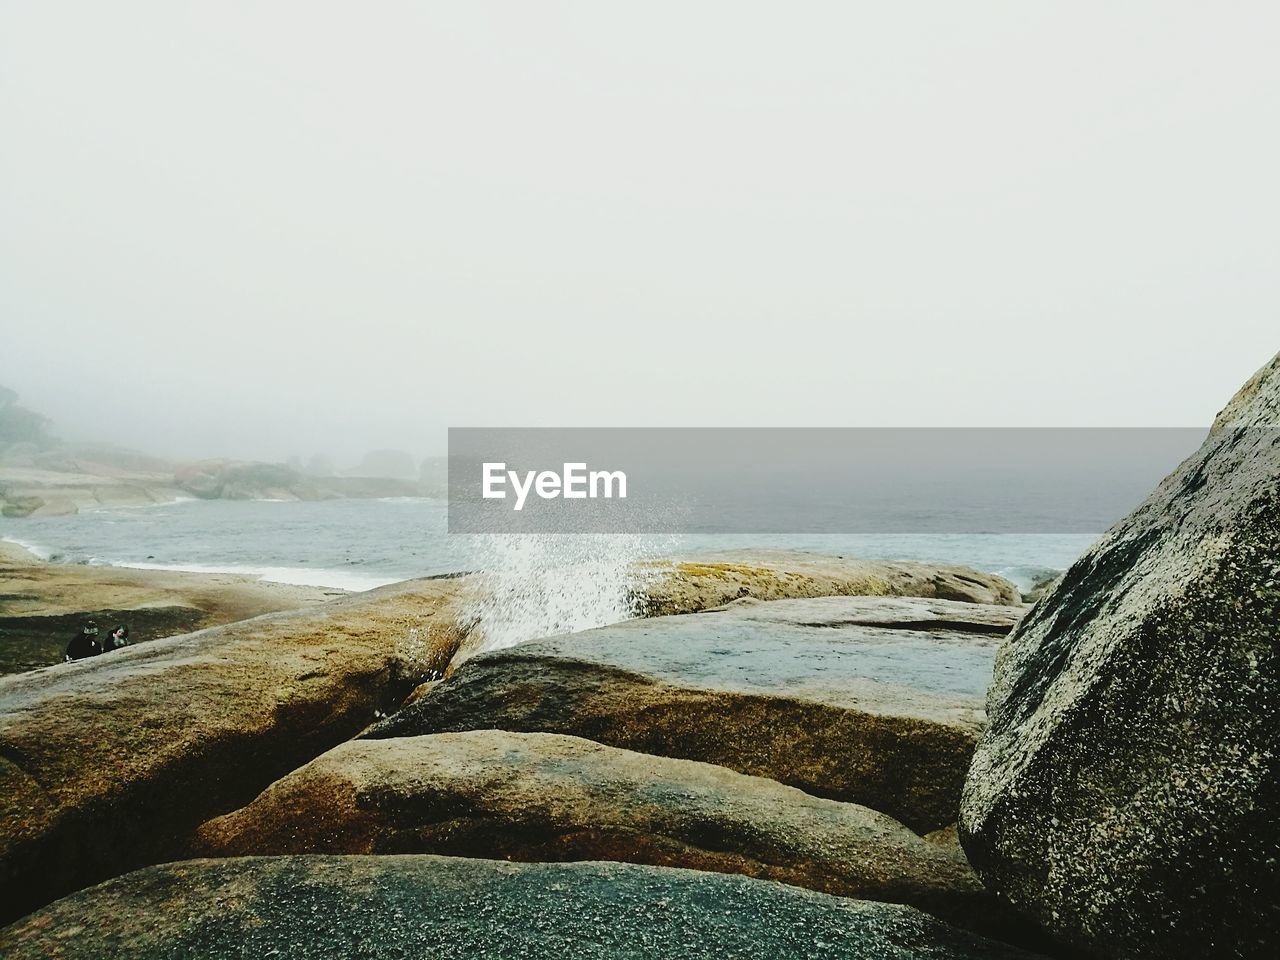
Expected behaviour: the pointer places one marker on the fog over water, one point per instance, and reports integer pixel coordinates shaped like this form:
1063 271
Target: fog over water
259 230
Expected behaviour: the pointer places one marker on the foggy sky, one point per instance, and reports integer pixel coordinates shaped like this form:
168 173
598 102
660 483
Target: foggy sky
256 229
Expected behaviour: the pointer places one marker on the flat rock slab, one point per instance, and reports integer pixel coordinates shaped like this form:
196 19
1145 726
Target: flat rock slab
548 797
325 908
712 579
689 585
876 701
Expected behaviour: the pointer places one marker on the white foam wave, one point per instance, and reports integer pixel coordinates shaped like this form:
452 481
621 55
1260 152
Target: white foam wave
530 586
294 576
37 551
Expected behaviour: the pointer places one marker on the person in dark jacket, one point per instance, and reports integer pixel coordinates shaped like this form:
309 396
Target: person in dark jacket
117 638
85 643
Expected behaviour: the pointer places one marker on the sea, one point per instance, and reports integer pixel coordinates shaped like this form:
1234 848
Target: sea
538 584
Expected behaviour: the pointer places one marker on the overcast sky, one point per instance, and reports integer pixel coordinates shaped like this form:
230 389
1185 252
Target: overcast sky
256 229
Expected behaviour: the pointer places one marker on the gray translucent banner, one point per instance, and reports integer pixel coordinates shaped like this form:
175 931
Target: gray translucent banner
818 480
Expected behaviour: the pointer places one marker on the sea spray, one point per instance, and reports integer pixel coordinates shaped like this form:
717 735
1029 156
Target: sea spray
538 585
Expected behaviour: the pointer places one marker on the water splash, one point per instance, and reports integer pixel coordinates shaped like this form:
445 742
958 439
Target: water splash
538 585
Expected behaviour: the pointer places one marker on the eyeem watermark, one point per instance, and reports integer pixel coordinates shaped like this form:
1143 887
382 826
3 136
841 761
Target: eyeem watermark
575 482
821 480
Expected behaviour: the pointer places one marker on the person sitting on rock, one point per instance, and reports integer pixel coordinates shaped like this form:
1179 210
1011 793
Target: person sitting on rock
117 638
85 643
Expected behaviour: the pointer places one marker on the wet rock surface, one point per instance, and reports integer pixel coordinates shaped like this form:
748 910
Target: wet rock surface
166 735
875 701
1126 793
426 906
668 587
110 762
546 797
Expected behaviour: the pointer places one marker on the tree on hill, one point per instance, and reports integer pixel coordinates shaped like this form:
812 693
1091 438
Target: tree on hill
18 424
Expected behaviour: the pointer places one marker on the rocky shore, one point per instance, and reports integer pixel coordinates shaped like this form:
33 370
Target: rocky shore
42 475
777 762
174 732
56 486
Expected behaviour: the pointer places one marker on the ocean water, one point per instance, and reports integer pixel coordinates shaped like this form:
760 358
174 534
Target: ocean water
360 544
348 544
535 585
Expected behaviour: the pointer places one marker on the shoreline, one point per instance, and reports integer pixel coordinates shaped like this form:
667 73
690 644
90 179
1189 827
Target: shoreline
78 484
43 603
289 576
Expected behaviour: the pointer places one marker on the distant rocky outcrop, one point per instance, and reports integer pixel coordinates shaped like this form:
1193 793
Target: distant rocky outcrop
75 486
252 480
68 478
41 475
336 908
870 700
233 480
1126 793
543 797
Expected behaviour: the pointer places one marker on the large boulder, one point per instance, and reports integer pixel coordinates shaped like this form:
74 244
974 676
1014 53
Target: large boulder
871 700
546 797
110 763
333 908
1126 793
237 480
